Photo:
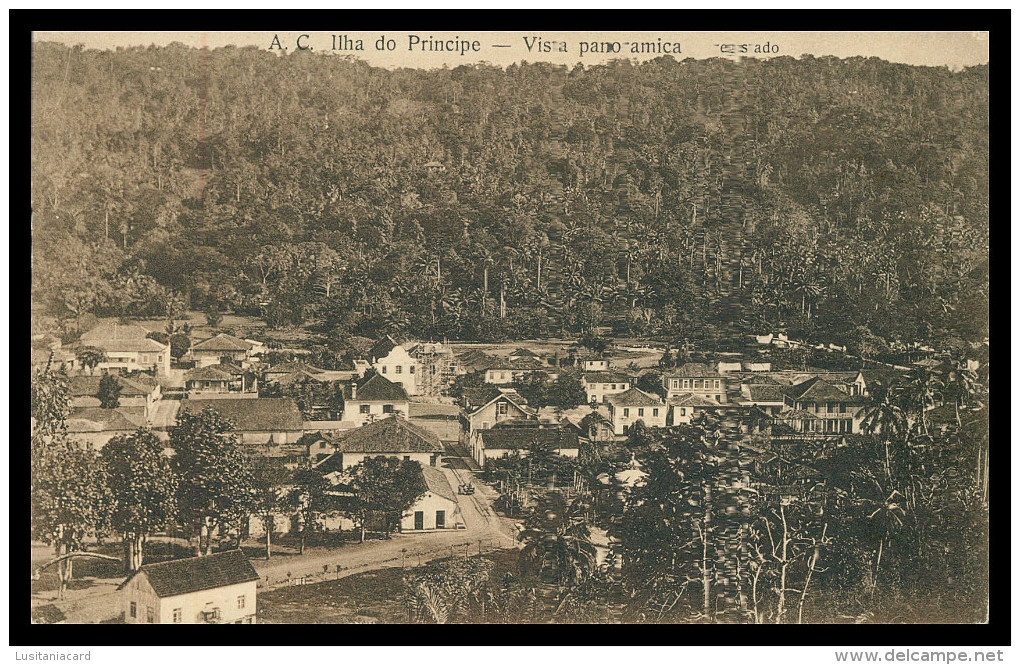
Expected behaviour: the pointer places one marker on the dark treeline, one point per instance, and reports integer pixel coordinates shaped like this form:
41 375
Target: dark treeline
826 197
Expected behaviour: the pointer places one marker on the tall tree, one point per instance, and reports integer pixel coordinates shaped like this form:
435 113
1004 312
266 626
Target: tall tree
144 487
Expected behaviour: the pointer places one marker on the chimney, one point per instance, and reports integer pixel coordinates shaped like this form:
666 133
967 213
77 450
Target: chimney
354 390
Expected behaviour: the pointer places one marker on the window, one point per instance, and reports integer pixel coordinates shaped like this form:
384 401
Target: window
655 413
676 383
696 383
410 370
399 369
683 411
407 458
502 375
830 407
614 386
687 383
240 602
160 359
501 408
384 369
485 425
134 609
626 413
387 408
640 412
842 407
717 383
364 408
177 615
150 615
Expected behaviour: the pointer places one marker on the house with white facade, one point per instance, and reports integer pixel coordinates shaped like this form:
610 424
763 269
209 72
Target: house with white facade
222 348
372 399
390 437
696 379
271 425
484 407
628 407
437 509
392 361
599 385
216 588
520 437
128 348
138 394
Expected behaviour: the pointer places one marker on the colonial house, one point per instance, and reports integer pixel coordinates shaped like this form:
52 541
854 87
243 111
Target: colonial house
372 399
138 395
443 420
817 406
392 361
267 422
628 407
599 385
128 348
695 379
217 588
597 425
95 426
683 408
222 348
474 361
508 371
437 509
520 437
592 363
47 351
727 367
389 437
486 406
225 380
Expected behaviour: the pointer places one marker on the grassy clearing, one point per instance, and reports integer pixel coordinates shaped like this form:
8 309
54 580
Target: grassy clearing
374 597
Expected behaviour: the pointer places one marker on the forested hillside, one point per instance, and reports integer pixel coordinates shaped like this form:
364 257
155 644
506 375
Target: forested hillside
680 199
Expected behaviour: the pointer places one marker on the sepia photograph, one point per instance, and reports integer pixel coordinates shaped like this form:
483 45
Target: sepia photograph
412 327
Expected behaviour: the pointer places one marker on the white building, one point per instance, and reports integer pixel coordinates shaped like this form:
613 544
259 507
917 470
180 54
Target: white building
392 361
127 348
599 385
629 407
374 399
218 588
438 509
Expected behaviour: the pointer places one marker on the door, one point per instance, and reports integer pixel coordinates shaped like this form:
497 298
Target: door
440 519
419 520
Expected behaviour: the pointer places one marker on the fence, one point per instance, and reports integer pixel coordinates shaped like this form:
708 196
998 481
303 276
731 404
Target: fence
407 559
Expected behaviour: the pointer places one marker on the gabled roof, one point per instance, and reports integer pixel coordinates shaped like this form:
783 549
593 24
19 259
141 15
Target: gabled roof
693 369
764 393
521 351
295 366
210 373
128 345
387 436
475 360
479 398
95 419
795 414
634 397
382 348
181 576
523 438
264 414
816 389
605 377
377 388
88 386
527 364
108 332
438 483
222 342
690 399
761 380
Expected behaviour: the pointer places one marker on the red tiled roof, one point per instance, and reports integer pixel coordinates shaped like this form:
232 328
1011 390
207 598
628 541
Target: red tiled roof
181 576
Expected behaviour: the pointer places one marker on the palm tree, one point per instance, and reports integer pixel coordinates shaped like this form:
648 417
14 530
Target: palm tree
883 416
959 384
558 547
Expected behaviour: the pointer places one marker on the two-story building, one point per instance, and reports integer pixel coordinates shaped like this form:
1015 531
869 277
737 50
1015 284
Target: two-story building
128 348
374 398
138 394
763 392
392 361
483 407
221 381
628 407
390 437
216 588
816 406
599 385
695 379
507 371
222 348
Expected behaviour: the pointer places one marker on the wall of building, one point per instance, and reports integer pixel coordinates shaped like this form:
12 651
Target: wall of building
428 505
399 367
715 390
226 598
633 414
376 411
425 459
597 391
